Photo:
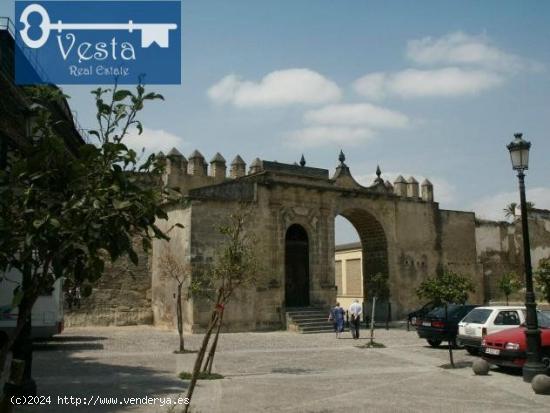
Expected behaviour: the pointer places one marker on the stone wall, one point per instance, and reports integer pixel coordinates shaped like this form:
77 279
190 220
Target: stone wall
122 296
500 245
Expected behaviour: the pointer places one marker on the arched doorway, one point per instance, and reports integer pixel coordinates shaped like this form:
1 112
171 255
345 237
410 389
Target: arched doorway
357 262
296 267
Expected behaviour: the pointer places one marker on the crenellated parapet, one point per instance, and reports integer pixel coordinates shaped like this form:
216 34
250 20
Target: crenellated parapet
193 172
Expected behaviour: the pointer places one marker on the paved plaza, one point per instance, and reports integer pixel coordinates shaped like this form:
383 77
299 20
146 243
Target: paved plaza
272 372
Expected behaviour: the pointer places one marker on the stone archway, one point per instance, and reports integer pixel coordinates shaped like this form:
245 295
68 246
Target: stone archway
374 246
296 267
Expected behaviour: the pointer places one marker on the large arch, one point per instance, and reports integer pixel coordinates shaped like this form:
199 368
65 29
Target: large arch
297 279
374 248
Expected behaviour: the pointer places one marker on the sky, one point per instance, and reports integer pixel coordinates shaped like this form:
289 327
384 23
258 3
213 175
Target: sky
431 89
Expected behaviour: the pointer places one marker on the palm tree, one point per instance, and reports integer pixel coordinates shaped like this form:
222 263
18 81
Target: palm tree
510 210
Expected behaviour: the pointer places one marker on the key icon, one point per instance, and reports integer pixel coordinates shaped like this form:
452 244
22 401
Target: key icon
150 32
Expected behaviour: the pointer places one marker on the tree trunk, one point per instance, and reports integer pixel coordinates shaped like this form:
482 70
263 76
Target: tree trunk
210 358
449 338
388 310
198 361
180 318
372 320
202 351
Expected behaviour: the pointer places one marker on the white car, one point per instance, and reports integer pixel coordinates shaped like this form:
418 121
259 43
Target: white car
487 320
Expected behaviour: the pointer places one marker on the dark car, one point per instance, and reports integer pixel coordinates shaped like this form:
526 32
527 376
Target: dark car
435 328
508 348
414 318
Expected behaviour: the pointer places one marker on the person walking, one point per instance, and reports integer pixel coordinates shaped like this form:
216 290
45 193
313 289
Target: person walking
337 317
355 310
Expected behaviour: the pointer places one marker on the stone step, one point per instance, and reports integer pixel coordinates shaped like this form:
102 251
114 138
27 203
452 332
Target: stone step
308 320
308 329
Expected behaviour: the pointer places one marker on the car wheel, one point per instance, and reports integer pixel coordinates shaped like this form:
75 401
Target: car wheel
434 343
472 350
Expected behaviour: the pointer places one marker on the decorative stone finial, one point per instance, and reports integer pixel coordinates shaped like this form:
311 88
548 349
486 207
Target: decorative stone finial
378 171
302 161
341 157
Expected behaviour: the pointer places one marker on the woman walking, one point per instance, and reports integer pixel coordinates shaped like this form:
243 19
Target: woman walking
337 317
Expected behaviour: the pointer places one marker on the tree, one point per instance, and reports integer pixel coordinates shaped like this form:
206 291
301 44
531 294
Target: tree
445 289
542 278
378 290
181 274
235 267
508 284
63 215
510 210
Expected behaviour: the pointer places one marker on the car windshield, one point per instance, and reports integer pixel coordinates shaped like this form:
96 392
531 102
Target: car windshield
544 320
440 311
477 316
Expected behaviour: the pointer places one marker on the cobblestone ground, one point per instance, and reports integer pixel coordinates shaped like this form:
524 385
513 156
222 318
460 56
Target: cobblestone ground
271 372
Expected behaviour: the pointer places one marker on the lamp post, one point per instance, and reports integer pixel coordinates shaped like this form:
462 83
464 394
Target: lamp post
519 154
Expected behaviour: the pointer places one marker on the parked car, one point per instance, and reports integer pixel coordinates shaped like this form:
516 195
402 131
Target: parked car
414 318
435 328
482 321
507 348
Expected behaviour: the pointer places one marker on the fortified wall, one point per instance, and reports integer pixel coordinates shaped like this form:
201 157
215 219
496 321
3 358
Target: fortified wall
402 232
500 249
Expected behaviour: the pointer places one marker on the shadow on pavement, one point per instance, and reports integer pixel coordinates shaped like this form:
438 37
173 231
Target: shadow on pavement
95 378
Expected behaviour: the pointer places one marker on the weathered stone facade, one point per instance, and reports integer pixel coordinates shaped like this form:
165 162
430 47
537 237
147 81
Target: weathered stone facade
402 232
500 249
122 296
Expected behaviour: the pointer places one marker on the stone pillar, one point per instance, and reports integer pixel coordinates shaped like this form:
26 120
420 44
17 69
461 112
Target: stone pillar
238 167
196 165
427 191
412 187
217 167
400 186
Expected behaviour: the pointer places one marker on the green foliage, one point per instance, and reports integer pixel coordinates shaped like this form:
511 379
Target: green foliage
542 278
509 283
203 375
63 215
447 288
378 286
510 210
235 265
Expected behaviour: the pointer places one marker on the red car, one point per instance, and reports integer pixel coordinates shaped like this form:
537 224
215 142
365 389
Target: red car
507 348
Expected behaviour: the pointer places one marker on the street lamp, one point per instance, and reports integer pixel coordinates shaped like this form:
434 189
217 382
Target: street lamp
519 154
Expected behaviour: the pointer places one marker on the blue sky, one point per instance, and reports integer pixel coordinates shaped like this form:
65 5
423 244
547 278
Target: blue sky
432 89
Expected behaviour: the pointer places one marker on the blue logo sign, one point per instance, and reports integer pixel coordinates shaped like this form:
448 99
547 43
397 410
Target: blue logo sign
98 42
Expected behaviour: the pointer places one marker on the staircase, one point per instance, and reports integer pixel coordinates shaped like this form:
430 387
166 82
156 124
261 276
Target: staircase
308 320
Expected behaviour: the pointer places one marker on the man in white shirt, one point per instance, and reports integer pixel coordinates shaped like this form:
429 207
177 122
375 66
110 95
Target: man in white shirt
355 310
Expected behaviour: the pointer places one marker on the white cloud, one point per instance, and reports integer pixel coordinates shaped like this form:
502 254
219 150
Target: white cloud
153 140
327 135
444 191
357 114
491 206
411 83
278 88
459 48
